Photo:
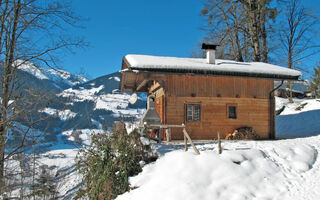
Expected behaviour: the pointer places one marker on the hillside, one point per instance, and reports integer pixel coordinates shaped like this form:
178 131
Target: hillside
76 109
76 103
281 169
284 169
49 79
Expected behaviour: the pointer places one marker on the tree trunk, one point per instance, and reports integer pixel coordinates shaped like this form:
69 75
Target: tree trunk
2 151
5 93
254 26
239 56
238 50
264 36
290 66
254 29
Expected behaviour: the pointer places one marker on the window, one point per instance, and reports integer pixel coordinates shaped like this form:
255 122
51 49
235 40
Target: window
193 112
232 111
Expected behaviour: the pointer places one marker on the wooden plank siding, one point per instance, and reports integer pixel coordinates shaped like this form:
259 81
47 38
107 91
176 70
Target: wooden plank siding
214 94
211 86
250 112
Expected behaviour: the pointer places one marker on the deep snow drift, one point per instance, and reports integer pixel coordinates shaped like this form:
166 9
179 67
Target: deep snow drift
283 169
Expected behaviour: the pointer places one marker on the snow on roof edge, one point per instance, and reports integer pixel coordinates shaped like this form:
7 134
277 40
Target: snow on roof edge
199 66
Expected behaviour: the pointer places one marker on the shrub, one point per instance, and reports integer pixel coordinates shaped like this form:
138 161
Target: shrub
315 84
45 186
109 161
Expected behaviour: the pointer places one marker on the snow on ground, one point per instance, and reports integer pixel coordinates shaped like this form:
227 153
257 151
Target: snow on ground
83 134
282 169
63 161
299 119
115 78
80 95
62 114
117 103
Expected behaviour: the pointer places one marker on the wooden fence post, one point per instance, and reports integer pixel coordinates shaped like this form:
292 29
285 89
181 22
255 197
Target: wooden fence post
168 134
185 143
186 135
219 143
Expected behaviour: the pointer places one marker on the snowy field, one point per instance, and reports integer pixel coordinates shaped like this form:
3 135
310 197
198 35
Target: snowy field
283 169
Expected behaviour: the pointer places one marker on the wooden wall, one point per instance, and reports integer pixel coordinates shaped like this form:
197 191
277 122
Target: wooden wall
214 94
250 112
211 86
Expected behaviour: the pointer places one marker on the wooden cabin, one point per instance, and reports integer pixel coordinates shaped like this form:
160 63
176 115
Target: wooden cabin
207 95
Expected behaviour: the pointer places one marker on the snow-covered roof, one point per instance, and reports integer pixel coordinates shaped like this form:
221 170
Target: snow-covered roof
199 66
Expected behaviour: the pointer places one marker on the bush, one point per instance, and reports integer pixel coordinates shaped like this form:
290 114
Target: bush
45 186
109 161
315 84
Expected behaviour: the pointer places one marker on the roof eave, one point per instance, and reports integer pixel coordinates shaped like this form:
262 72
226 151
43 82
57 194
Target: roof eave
218 73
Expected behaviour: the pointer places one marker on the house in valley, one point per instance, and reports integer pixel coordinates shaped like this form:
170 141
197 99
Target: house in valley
207 94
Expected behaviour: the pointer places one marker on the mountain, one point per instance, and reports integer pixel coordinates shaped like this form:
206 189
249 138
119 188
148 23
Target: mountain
98 103
55 79
75 104
68 110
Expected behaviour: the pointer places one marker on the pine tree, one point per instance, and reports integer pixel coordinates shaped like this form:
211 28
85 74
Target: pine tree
109 162
315 85
45 186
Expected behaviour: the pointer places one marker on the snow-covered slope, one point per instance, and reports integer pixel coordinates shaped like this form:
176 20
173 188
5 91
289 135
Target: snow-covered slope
298 86
98 103
73 115
286 169
90 105
282 169
300 119
59 78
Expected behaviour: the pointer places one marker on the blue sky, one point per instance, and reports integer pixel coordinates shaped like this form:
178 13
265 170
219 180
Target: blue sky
120 27
154 27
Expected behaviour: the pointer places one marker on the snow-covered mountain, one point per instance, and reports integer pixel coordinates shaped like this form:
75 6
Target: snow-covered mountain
52 78
76 104
98 103
76 109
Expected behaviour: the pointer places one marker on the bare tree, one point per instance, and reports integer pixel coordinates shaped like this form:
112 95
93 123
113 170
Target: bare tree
297 35
30 31
241 27
225 26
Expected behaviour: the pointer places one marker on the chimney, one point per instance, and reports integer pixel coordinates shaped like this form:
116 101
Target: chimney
211 52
